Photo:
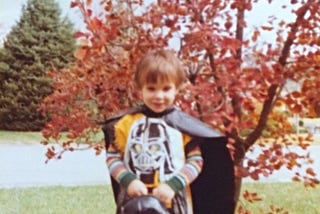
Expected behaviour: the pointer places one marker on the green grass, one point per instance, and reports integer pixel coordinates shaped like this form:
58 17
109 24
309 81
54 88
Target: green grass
57 200
20 137
292 197
13 137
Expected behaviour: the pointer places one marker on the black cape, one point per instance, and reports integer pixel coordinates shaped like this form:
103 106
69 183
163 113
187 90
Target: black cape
213 190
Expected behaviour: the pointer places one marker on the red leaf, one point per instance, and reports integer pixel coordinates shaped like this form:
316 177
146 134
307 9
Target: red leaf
96 23
251 196
254 176
50 153
296 109
310 172
296 179
267 28
89 2
182 11
80 34
255 35
89 12
74 4
296 94
80 53
228 25
169 23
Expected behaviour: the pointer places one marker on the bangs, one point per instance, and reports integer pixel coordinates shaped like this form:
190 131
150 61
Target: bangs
163 75
159 71
161 66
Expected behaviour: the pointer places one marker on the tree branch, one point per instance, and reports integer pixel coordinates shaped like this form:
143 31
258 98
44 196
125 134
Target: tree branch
274 90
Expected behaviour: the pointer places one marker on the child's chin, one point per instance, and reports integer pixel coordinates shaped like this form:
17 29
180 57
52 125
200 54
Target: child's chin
158 109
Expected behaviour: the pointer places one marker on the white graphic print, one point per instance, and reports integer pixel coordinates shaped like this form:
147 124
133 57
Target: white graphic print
150 152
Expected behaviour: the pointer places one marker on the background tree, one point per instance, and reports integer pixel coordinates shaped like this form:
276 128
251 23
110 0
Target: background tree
41 40
237 80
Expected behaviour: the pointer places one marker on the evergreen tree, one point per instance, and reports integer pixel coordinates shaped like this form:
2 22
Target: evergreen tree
40 41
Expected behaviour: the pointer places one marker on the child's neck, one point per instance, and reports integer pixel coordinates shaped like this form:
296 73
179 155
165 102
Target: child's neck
148 112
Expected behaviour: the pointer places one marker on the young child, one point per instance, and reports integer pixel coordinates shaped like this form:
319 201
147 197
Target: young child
153 149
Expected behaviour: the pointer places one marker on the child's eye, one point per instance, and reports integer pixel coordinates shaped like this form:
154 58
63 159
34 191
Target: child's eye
150 88
167 88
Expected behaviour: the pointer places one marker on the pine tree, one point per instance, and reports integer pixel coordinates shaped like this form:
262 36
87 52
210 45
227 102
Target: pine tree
40 41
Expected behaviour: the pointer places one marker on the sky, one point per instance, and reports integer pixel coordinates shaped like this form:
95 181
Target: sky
10 11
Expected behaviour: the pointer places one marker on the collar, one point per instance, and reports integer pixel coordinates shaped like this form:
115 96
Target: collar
149 113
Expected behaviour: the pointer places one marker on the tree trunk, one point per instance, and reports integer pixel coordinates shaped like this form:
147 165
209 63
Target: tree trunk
237 187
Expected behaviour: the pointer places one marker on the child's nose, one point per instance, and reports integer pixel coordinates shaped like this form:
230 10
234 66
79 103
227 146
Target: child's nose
159 94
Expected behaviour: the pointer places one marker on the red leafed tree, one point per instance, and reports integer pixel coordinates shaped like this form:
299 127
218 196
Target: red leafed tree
237 76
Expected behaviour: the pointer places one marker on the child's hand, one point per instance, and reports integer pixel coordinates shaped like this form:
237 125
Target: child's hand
137 188
164 193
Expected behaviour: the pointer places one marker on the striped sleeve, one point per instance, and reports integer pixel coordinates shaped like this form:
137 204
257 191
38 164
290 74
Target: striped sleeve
117 168
189 172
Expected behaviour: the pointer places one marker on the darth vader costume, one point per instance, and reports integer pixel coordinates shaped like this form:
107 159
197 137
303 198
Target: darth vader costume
212 191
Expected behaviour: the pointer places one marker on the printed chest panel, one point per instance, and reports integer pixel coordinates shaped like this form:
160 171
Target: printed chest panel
154 150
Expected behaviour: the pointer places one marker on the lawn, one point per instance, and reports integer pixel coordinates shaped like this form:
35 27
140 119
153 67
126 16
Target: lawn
57 200
14 137
292 197
20 137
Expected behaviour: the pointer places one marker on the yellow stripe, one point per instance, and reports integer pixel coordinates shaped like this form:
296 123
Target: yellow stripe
122 128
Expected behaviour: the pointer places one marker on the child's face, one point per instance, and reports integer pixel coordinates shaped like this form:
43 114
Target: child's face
159 96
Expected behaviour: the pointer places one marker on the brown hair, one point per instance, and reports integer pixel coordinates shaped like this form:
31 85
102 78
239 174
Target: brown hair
159 65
